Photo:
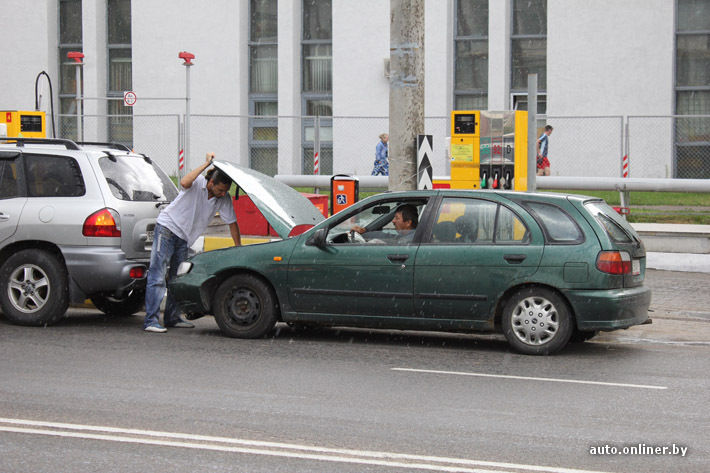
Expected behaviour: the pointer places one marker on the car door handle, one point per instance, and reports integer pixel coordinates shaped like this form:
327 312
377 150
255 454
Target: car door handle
514 259
398 258
4 217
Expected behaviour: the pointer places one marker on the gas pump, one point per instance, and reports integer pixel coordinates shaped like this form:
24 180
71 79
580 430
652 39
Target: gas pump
24 124
489 150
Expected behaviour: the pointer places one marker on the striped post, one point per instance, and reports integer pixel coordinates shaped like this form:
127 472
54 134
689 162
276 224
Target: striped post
625 165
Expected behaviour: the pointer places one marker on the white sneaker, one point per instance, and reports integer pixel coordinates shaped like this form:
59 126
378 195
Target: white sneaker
155 329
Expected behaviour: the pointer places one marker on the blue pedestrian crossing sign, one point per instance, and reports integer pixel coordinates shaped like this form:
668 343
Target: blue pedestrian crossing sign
341 199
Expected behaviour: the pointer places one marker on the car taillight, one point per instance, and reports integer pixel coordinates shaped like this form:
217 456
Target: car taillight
614 262
137 272
102 223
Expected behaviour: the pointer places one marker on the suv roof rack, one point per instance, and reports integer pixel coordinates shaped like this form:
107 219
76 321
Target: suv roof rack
69 144
118 146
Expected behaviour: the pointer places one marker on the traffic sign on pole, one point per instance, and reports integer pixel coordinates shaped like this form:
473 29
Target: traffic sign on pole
129 98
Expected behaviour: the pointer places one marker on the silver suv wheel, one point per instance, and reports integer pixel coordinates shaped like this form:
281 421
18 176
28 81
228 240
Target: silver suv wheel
35 287
28 289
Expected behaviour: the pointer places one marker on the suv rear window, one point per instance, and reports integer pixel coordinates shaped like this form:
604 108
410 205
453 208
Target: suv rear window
618 229
136 179
53 176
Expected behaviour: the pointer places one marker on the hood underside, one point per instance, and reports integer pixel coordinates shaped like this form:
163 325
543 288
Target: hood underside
282 206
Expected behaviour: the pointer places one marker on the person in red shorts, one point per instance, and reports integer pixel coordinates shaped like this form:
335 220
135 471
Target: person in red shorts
543 146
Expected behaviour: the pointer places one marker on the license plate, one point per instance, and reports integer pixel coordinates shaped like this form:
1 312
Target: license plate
636 267
149 236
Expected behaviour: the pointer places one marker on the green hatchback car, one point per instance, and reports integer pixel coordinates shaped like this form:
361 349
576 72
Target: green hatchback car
543 269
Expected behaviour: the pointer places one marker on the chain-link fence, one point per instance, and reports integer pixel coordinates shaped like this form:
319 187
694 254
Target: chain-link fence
657 146
585 146
156 136
669 146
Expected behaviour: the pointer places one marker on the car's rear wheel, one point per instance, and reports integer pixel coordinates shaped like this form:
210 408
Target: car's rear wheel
35 288
124 306
537 321
245 307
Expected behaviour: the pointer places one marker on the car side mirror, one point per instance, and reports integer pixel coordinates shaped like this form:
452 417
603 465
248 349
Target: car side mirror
318 238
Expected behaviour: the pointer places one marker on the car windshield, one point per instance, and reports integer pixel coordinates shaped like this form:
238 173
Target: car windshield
136 179
617 228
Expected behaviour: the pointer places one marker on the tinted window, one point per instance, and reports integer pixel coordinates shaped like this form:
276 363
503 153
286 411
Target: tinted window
135 179
8 179
53 176
556 223
466 221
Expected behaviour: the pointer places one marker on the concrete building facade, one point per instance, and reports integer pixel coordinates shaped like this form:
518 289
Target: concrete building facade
601 58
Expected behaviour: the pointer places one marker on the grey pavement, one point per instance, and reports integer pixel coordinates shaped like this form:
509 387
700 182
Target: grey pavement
680 310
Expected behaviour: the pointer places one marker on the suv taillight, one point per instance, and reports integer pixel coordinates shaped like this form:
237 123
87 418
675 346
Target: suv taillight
614 262
102 223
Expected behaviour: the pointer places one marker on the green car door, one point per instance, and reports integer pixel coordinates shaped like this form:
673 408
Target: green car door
369 275
477 249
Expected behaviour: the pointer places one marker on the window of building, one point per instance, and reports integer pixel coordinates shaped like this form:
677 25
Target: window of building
70 39
317 83
471 45
528 50
263 86
692 86
120 122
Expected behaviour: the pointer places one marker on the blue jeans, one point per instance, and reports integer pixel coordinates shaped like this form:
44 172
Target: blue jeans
168 249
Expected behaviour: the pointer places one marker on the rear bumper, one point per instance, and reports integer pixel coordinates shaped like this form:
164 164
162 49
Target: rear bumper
94 269
610 309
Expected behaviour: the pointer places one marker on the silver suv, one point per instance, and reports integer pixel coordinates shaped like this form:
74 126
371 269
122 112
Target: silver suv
76 222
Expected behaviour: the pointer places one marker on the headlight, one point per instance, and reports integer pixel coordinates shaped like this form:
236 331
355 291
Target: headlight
184 268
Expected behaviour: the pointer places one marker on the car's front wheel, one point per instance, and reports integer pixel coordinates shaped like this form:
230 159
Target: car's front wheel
245 307
537 321
35 288
124 306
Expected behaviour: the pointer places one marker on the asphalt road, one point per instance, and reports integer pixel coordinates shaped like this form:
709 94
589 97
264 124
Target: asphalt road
95 393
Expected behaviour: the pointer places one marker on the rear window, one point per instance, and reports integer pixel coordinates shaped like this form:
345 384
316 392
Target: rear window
618 229
53 176
558 225
135 179
8 179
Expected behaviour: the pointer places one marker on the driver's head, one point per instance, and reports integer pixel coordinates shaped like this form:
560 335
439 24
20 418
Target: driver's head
406 218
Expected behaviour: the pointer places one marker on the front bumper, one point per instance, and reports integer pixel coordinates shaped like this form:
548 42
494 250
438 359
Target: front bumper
194 292
610 309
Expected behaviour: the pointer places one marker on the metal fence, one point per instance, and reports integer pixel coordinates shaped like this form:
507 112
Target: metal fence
656 146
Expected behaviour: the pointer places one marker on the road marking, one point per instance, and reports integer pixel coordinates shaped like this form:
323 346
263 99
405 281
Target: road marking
530 378
275 449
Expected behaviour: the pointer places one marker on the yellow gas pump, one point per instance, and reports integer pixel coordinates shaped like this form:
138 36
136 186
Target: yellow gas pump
465 152
489 150
25 124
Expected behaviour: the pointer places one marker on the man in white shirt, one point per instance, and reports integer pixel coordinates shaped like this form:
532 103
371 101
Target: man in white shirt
177 228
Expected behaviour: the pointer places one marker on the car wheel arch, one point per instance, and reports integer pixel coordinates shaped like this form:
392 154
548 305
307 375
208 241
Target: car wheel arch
505 297
32 245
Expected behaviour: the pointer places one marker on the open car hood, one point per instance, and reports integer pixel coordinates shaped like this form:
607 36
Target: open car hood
283 207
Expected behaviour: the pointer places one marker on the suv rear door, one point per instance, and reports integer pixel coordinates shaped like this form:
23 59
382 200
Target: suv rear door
12 195
137 188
